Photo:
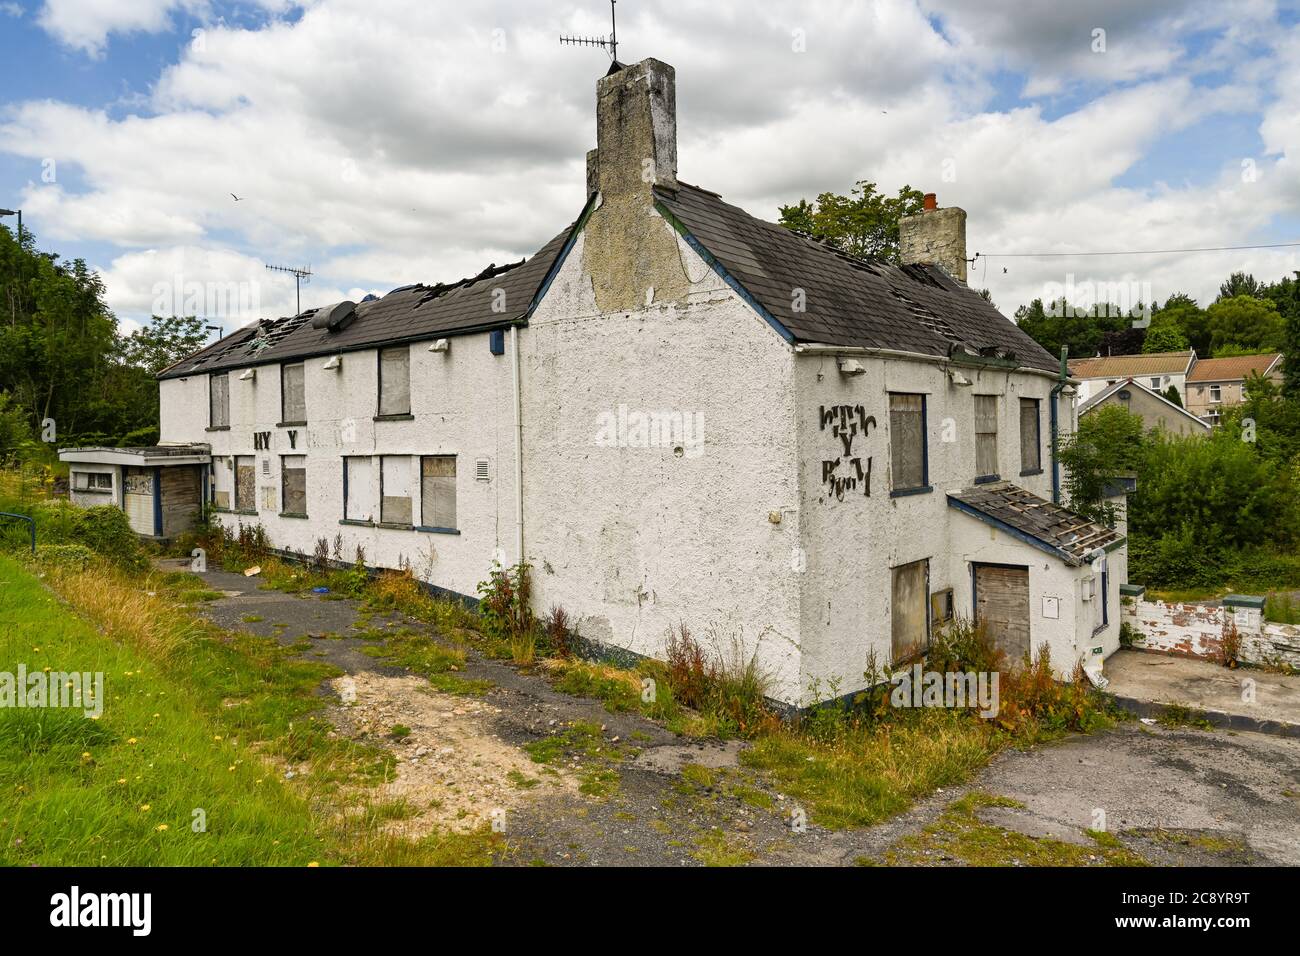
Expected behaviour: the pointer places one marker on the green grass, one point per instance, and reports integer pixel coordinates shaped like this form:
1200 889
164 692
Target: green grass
960 835
186 765
124 789
863 774
718 848
432 660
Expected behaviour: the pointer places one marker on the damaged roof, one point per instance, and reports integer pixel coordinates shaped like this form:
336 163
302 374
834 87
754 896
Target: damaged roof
406 314
848 301
1050 527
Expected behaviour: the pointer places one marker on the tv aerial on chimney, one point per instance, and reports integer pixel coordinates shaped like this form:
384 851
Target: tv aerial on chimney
608 44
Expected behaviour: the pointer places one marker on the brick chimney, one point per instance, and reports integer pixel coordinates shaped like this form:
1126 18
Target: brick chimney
935 236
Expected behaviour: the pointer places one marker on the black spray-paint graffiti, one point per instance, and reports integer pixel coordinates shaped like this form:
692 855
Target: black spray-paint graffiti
846 423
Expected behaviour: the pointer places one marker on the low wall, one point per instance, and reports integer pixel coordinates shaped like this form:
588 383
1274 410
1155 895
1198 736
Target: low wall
1195 630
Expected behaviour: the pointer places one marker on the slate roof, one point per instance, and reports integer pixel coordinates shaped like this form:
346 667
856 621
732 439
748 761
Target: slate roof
1235 368
849 302
406 314
1127 366
1051 527
1130 383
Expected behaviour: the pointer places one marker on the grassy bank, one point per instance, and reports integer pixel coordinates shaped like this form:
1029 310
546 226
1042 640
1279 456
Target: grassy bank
209 749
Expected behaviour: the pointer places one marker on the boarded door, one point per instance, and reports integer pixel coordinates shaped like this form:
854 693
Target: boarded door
1002 607
137 499
909 610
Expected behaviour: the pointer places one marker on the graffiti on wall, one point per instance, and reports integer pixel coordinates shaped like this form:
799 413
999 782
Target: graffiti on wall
846 472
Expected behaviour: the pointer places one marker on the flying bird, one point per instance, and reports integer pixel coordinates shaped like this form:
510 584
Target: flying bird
237 198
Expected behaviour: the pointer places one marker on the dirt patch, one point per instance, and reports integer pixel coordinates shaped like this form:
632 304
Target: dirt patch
452 773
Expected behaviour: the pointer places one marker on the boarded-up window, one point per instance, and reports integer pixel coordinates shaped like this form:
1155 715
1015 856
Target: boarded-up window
1031 456
293 484
293 401
395 490
909 610
395 381
245 483
223 481
358 504
986 435
219 400
907 441
438 491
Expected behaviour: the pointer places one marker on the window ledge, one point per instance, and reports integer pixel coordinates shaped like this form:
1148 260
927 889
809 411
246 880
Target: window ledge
293 514
217 428
243 511
987 479
1031 471
92 491
433 530
357 522
394 526
905 492
402 417
291 424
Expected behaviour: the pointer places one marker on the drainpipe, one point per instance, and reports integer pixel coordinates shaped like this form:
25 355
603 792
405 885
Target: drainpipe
519 462
1056 392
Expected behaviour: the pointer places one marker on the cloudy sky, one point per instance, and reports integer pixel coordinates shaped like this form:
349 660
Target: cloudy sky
392 141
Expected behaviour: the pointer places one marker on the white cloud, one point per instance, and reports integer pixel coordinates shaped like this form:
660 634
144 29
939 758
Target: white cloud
390 141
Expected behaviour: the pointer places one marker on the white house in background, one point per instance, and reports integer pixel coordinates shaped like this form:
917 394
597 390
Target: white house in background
1154 370
678 414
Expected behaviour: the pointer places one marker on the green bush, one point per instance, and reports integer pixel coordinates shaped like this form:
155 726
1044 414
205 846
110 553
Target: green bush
104 529
66 555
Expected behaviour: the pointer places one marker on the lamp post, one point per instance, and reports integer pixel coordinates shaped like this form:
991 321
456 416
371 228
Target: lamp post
19 214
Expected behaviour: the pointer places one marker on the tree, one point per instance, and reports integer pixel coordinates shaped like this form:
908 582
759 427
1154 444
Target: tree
1171 394
163 342
14 432
1291 341
1181 312
1245 322
863 224
1165 335
1061 323
1109 442
1240 283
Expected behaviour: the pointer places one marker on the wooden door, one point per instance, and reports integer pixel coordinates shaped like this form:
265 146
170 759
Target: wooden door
1002 607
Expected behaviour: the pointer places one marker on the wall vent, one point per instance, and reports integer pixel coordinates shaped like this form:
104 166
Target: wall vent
481 470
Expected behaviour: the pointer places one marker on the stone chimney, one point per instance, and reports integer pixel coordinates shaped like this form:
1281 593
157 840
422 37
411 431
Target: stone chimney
636 130
630 250
935 236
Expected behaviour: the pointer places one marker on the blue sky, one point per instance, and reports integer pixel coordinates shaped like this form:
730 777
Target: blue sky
391 141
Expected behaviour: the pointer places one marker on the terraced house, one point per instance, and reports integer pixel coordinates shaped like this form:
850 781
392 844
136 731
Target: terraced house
677 413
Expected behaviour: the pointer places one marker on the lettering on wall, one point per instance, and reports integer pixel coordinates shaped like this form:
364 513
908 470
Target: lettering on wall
846 423
261 441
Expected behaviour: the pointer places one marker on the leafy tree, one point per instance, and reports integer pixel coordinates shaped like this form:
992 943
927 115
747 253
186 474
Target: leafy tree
1165 335
862 224
14 431
1240 283
1181 312
1245 322
1110 441
163 342
1062 323
1171 394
